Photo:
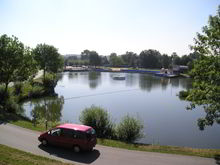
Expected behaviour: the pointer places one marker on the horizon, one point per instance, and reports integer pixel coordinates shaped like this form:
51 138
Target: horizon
107 26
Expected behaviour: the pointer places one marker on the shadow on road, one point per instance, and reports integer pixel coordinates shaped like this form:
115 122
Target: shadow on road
68 154
217 159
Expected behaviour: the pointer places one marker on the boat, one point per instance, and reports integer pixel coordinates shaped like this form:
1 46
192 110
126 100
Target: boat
166 75
119 77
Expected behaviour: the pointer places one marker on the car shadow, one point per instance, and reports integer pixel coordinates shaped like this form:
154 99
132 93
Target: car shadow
68 154
217 159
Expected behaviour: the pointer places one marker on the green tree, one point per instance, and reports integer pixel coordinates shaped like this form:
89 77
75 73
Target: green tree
115 60
47 110
16 61
48 58
165 61
150 58
130 59
94 58
130 129
206 72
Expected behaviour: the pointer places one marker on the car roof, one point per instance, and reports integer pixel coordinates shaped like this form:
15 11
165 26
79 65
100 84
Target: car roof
77 127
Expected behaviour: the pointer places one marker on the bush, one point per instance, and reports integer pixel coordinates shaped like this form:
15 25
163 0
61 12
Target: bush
7 101
183 94
18 88
49 81
99 119
36 91
129 129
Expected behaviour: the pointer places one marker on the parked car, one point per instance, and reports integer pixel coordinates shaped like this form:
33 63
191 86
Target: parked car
78 137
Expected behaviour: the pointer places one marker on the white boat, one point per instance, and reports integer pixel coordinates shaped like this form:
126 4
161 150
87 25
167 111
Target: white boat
119 77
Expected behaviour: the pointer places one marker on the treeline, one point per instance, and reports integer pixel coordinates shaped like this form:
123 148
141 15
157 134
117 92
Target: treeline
19 64
146 59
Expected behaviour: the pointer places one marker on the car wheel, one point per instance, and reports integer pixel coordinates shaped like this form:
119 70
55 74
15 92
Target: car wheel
44 142
76 149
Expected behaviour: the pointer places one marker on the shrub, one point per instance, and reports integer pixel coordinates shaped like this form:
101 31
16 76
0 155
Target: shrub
36 91
49 81
129 129
99 119
183 94
7 101
18 88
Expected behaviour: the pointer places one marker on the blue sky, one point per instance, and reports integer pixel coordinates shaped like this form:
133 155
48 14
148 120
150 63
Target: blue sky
107 26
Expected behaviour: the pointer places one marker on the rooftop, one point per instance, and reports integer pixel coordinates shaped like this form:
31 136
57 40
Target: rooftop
75 126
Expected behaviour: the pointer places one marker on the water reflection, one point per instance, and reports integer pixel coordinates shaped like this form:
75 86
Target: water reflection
131 79
47 110
147 82
94 79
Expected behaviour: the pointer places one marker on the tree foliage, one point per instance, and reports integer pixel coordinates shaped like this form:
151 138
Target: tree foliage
99 119
149 58
47 110
130 129
206 72
48 58
16 61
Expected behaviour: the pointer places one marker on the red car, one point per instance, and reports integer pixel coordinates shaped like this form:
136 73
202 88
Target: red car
78 137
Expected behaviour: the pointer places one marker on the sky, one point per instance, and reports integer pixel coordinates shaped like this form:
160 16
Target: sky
107 26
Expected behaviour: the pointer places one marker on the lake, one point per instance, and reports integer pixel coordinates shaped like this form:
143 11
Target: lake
152 99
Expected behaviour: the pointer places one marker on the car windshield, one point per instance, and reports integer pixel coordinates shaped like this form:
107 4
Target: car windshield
91 131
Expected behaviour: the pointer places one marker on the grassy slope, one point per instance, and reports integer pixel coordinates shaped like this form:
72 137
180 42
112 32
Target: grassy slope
24 158
209 153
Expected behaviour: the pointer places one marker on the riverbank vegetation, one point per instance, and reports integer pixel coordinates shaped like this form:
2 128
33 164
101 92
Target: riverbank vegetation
150 59
18 67
209 153
206 73
13 156
129 129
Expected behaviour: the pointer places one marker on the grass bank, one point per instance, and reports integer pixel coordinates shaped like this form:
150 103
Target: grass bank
24 158
209 153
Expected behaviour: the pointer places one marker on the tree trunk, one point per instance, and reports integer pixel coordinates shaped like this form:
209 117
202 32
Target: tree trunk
44 74
6 88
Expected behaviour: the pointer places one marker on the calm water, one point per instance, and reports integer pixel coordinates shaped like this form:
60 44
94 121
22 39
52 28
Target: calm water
153 99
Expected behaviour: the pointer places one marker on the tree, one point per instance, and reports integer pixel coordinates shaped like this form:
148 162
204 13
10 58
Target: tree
48 58
47 110
94 58
176 60
115 60
130 59
165 61
149 58
206 73
16 61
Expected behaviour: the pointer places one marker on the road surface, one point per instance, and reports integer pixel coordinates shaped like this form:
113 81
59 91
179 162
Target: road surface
26 140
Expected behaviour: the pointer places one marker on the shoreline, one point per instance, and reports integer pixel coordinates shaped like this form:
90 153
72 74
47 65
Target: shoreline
208 153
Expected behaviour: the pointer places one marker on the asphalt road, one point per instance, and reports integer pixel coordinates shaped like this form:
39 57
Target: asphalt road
26 140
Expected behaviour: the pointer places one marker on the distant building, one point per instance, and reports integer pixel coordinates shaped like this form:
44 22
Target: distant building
177 69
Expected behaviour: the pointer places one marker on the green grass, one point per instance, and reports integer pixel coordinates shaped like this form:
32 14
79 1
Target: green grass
10 156
23 122
209 153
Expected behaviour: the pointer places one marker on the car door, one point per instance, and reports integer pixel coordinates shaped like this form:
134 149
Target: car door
67 138
54 137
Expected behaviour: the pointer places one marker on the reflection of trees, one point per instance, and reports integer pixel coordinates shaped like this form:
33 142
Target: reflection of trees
47 110
94 79
175 82
147 82
131 79
72 75
164 83
186 83
60 76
